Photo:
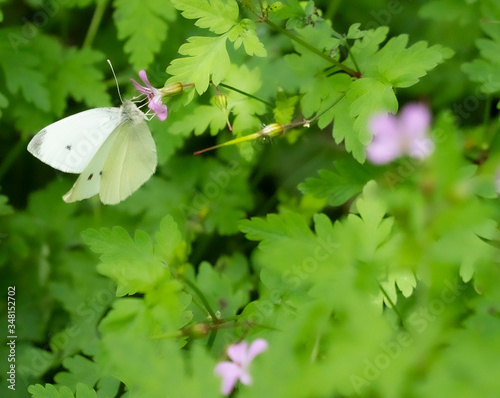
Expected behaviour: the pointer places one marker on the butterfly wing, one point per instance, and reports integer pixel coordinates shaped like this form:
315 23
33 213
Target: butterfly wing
88 182
70 144
131 162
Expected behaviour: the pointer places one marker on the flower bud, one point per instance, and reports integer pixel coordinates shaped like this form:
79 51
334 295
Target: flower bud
199 330
220 101
272 130
171 89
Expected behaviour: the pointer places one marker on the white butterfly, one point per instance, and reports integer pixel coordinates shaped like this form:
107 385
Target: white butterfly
111 148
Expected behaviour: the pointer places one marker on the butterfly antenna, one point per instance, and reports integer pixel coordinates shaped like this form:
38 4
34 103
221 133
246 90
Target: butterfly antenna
116 80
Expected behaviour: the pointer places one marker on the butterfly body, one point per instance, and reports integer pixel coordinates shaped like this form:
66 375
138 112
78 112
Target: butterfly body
111 148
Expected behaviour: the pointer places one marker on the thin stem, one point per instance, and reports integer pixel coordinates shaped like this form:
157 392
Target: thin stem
246 94
95 22
303 43
327 109
215 320
203 299
393 306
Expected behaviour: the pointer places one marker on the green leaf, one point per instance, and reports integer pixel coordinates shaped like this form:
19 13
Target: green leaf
403 67
202 118
364 98
49 391
207 60
284 110
339 185
217 15
244 108
244 33
79 78
4 102
22 71
5 208
143 25
485 70
219 292
130 262
168 238
80 369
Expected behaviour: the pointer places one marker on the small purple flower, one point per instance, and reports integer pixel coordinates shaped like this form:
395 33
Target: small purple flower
241 356
154 96
394 137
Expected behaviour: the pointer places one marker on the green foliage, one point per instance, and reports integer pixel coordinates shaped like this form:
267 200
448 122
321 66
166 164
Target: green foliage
49 391
484 70
216 15
365 280
338 186
143 24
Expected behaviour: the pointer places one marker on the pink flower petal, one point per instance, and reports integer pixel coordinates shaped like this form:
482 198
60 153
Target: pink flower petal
238 352
141 89
158 107
154 96
385 146
258 346
144 78
415 120
394 137
230 373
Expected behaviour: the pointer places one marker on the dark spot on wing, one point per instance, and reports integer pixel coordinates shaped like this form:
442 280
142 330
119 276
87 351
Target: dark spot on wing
36 143
90 176
100 173
68 147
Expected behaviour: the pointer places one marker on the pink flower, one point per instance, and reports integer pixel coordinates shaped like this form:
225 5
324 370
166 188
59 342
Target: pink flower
154 96
241 355
395 137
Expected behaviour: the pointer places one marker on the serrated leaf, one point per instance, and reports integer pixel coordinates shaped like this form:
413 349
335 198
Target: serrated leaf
49 391
207 61
22 74
339 185
79 78
143 25
364 97
403 67
130 262
485 70
202 118
285 108
80 369
244 33
167 239
217 15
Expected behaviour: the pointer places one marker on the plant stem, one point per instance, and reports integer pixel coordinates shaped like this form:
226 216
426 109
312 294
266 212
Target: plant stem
202 297
393 306
95 22
303 43
215 320
327 109
246 94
